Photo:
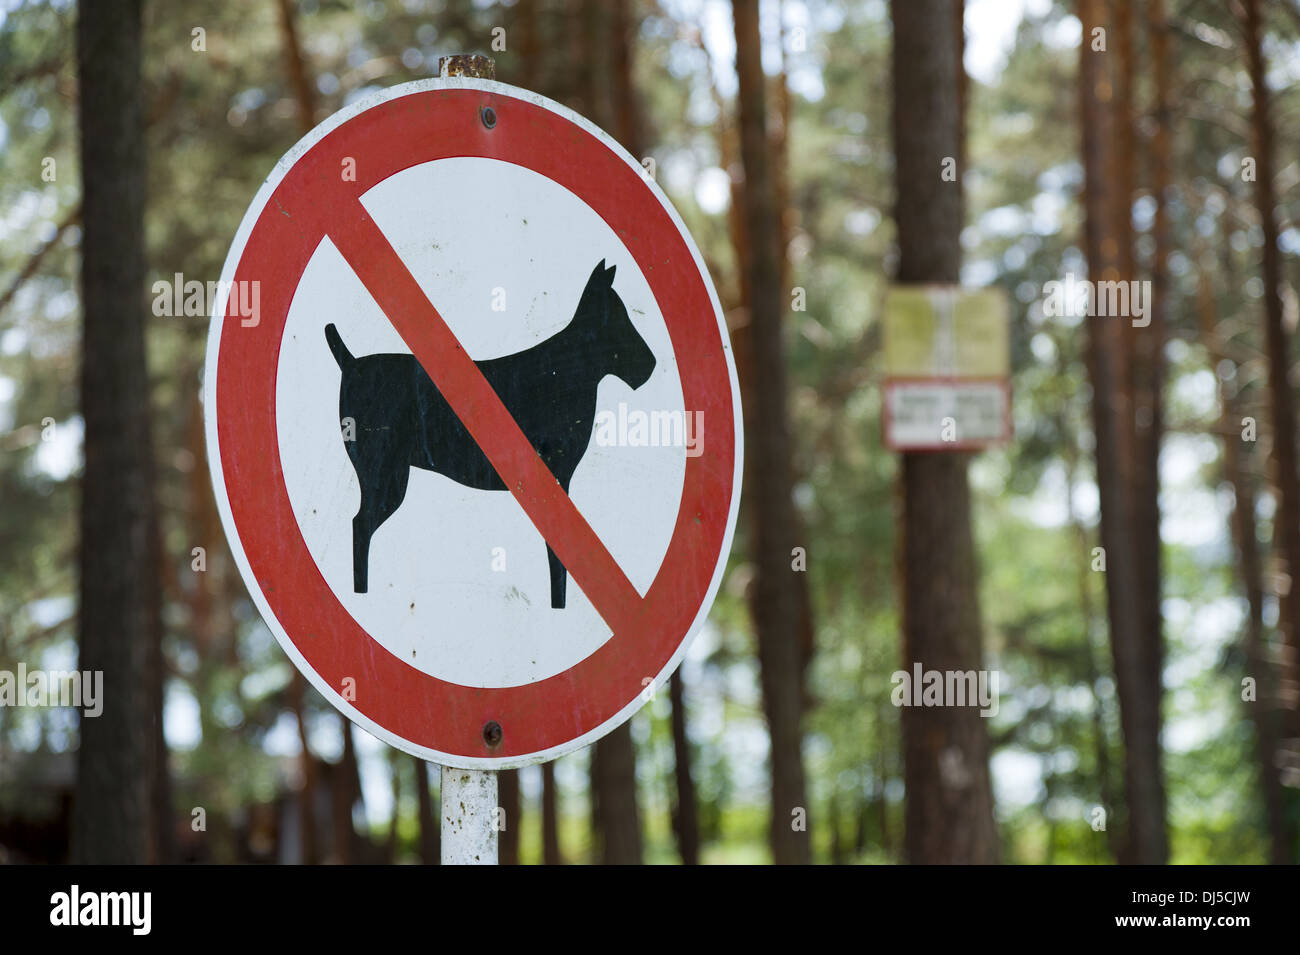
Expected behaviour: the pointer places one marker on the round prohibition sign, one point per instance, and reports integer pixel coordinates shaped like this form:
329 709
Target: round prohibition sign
305 202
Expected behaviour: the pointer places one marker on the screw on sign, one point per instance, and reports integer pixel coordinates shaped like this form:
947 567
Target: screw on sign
479 459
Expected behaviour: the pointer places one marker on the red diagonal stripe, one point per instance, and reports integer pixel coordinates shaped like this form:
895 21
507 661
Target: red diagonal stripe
378 266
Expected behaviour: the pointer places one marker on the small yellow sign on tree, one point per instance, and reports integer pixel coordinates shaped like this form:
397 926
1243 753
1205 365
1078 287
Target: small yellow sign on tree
947 367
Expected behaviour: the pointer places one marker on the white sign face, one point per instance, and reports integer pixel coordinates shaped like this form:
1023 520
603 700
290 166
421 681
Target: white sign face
478 455
460 579
945 415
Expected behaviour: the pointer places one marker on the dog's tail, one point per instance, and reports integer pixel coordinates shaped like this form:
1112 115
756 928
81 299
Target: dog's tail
340 350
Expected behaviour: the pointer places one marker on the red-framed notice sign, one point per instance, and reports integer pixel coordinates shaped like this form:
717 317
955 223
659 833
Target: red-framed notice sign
947 368
478 456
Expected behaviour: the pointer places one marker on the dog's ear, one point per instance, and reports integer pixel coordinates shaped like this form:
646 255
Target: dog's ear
603 274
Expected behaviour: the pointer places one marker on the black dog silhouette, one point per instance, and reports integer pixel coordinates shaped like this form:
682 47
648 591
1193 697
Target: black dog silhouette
402 421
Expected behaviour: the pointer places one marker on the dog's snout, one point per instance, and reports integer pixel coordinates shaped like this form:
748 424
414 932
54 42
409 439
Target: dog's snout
645 366
634 362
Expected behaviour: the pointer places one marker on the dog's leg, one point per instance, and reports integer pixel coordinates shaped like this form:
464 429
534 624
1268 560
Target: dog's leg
361 532
378 502
559 577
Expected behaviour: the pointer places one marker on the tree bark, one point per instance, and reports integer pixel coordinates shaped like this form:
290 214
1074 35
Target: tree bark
627 106
527 31
1287 523
1108 368
1087 614
614 787
390 843
307 762
119 627
1263 710
550 817
430 821
598 64
306 102
511 805
346 794
1147 366
776 602
297 67
686 814
615 816
949 809
786 222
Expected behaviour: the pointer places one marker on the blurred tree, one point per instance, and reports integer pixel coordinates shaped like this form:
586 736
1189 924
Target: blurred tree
946 748
1109 353
1149 343
550 817
1264 707
777 603
685 811
430 821
120 811
511 806
616 816
1145 369
578 52
1282 397
305 101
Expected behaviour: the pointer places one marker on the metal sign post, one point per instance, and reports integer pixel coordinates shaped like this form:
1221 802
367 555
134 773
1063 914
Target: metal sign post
468 797
469 816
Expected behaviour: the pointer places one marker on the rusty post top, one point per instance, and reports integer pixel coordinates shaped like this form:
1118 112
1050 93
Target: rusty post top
467 64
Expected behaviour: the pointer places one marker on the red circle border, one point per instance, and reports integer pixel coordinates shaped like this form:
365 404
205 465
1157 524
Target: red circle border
426 712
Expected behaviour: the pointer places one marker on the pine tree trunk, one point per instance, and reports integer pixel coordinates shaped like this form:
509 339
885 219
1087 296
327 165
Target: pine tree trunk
614 788
627 105
1101 743
1287 522
1263 709
390 843
686 813
430 821
118 621
1147 375
346 794
307 762
306 104
299 77
776 602
512 810
550 817
527 31
615 815
1147 368
949 810
1109 372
